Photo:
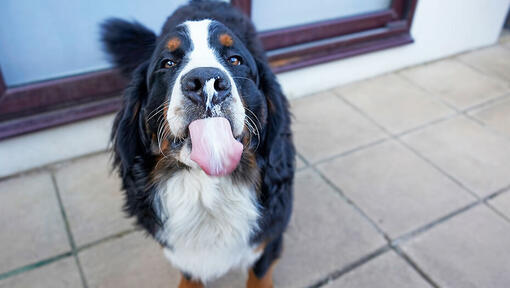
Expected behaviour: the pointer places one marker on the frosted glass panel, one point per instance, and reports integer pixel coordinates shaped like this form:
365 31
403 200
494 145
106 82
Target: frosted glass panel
53 38
273 14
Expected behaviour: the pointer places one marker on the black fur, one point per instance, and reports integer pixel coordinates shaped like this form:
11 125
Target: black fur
128 43
131 46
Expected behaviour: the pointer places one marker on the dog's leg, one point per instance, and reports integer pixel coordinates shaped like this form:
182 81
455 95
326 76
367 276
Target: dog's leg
261 275
265 282
187 282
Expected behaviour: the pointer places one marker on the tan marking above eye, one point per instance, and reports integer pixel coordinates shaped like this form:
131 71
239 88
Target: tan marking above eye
173 44
226 40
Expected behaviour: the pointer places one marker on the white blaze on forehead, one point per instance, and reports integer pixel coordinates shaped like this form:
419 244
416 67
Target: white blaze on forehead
202 55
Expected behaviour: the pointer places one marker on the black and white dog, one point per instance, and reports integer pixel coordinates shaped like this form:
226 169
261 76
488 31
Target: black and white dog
203 141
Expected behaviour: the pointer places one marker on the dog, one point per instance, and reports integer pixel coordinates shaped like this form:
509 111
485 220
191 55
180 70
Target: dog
203 141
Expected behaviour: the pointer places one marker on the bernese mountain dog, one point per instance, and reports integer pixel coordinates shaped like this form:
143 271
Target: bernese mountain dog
203 141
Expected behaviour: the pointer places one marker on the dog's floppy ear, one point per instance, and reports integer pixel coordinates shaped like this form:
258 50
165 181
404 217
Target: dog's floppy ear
277 150
277 144
276 160
128 43
128 134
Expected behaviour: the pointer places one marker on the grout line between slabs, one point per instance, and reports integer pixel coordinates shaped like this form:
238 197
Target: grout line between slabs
352 204
488 103
305 162
500 214
35 265
420 230
414 151
481 201
494 209
68 231
44 262
439 169
351 151
428 92
415 266
50 166
460 111
491 75
106 239
350 267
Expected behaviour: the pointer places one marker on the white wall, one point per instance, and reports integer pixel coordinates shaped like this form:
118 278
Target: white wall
441 28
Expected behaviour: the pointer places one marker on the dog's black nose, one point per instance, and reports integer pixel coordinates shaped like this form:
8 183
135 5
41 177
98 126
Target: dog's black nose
206 84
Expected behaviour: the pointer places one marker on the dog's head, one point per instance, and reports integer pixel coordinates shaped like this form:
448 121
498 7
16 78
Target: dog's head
196 70
199 70
202 70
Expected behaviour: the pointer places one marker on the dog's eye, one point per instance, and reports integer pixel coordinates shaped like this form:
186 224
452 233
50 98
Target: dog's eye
235 60
167 64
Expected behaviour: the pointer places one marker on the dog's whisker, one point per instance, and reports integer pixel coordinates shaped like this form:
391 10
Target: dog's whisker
160 135
237 77
254 115
157 110
252 127
156 113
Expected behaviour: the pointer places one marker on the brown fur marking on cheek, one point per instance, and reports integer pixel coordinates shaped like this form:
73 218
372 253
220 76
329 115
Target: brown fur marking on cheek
185 283
165 112
261 247
164 145
248 156
173 44
165 167
265 282
226 40
270 105
248 170
136 110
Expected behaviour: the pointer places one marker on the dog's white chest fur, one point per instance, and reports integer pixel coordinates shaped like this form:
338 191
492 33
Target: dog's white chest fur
210 221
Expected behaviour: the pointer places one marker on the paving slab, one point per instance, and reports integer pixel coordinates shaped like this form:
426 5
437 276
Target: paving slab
496 116
324 126
32 225
456 82
130 261
387 270
470 250
325 234
494 61
394 103
396 188
61 274
92 198
470 153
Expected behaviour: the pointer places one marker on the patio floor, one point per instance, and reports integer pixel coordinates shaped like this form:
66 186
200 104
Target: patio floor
403 181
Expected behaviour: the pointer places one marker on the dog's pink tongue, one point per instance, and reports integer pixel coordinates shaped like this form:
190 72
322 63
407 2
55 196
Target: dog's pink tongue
213 147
